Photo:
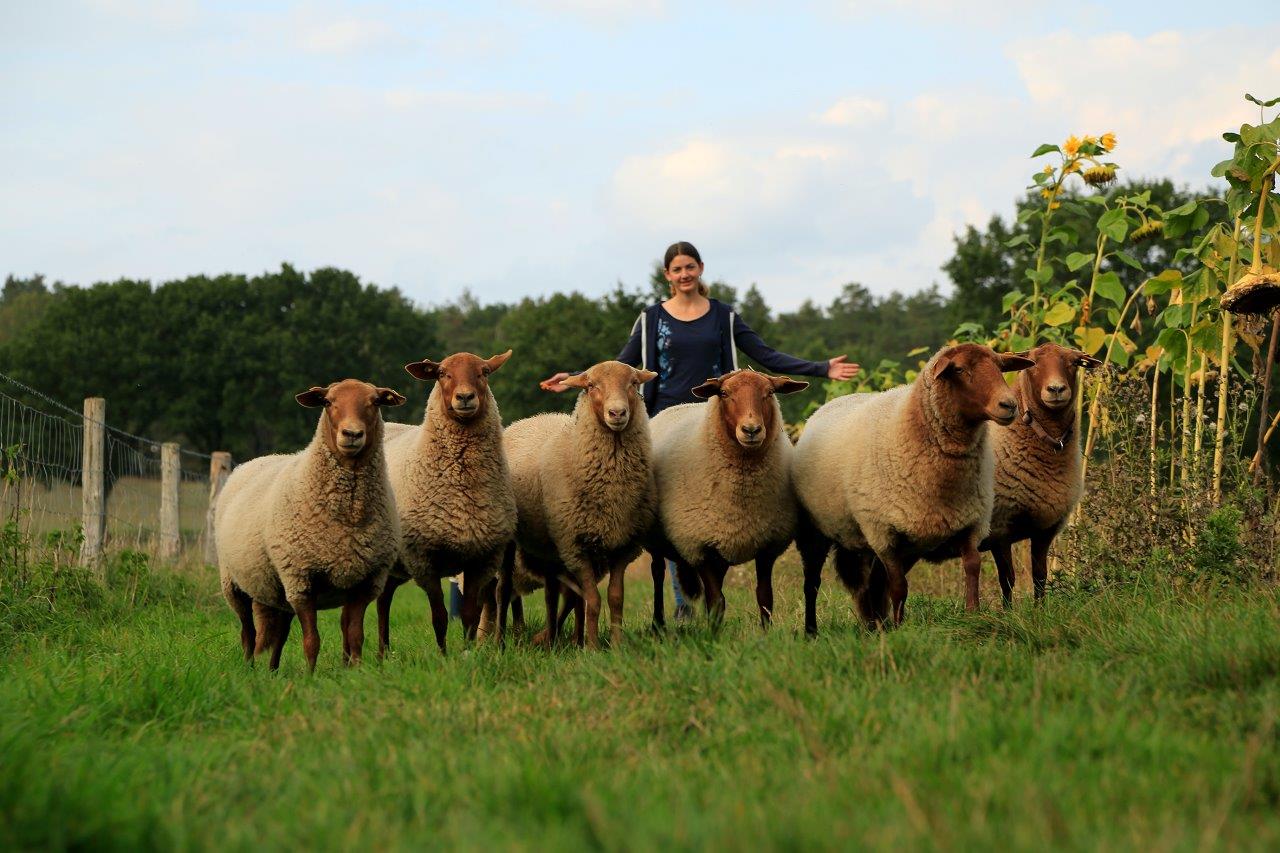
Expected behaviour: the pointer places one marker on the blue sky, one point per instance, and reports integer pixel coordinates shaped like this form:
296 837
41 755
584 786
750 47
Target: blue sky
522 148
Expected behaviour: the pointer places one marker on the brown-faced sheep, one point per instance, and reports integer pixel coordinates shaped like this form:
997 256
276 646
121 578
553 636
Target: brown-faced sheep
1038 479
584 492
453 491
723 472
311 530
902 475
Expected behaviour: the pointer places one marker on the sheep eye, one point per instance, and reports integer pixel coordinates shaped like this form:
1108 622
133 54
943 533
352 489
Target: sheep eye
484 371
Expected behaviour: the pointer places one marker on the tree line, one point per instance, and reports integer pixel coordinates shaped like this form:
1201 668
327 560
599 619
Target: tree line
215 362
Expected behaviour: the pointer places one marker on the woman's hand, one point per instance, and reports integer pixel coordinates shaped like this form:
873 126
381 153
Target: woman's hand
839 369
555 383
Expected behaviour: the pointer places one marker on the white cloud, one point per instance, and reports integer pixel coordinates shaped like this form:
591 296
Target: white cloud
855 111
603 13
351 35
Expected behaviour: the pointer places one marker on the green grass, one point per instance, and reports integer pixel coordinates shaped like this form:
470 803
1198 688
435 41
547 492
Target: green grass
1128 719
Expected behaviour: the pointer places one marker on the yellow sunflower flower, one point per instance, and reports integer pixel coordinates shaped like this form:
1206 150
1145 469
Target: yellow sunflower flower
1108 141
1071 146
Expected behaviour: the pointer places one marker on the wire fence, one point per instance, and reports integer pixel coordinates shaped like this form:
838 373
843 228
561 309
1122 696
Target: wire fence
42 492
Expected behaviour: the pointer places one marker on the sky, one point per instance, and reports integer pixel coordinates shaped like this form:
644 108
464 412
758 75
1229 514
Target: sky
522 148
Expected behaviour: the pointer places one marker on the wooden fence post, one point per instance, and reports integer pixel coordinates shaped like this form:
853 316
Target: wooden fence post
219 470
170 479
93 482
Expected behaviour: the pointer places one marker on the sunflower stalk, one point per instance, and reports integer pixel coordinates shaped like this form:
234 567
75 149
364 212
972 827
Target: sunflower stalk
1224 376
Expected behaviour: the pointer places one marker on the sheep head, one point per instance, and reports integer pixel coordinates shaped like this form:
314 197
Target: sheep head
747 410
463 379
969 380
613 390
1052 379
352 423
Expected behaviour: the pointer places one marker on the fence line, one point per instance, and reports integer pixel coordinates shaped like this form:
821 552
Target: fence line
149 496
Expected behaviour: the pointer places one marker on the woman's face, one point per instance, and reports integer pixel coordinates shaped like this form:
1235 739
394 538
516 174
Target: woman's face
684 274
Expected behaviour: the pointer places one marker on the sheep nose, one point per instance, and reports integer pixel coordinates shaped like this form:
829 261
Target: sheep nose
1008 405
353 433
465 396
752 430
1057 388
617 414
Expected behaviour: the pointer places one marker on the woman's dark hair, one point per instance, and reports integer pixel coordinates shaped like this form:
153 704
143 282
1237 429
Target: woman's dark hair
680 248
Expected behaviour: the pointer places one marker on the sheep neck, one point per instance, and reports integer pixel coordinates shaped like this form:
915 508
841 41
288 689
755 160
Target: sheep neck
951 434
620 453
348 490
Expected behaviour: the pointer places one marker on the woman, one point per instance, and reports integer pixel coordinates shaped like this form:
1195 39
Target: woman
689 338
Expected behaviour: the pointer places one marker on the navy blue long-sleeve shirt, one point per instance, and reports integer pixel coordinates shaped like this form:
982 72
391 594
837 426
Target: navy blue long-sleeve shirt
692 358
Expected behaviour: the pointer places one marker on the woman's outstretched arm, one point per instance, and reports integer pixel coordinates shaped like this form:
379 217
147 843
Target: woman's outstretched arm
750 343
630 355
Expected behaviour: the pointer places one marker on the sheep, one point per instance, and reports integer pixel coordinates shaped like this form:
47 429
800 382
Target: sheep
902 475
723 472
1038 479
584 493
453 492
311 530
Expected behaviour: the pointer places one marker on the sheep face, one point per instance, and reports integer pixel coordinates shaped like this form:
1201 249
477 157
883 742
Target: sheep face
613 389
463 380
351 418
747 410
968 377
1052 380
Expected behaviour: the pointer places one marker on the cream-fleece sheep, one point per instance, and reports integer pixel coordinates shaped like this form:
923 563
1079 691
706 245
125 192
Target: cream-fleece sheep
902 475
723 471
584 492
457 509
1039 478
314 529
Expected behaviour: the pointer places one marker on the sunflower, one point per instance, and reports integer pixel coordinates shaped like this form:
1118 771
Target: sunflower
1149 230
1071 146
1099 176
1108 141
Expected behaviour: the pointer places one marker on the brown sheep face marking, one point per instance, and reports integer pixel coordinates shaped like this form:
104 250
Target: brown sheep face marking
970 377
1052 380
463 379
746 404
352 422
613 389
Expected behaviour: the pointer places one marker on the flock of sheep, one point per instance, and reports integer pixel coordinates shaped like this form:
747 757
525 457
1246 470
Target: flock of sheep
565 501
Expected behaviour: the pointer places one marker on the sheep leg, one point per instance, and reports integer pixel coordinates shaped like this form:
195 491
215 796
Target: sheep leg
712 574
856 573
813 547
1002 552
588 579
384 613
551 594
353 629
243 607
439 612
579 617
306 611
657 568
764 587
896 569
502 600
517 614
972 561
472 592
616 578
279 633
1040 543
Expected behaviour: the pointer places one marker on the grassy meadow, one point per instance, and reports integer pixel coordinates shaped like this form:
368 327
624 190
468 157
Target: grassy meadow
1132 717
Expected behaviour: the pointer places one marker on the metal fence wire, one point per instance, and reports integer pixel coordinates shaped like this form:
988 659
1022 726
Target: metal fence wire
41 459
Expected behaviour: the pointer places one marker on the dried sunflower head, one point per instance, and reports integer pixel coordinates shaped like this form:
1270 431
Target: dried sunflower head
1099 176
1149 230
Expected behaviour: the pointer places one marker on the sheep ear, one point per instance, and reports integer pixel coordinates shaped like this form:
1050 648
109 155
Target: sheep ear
942 365
707 390
786 385
578 380
645 375
389 397
1009 362
1082 359
314 398
1026 353
497 361
425 370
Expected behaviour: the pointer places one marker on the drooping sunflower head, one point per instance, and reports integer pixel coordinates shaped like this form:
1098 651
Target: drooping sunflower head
1099 176
1149 230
